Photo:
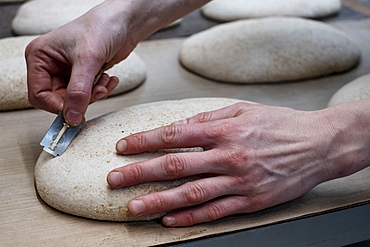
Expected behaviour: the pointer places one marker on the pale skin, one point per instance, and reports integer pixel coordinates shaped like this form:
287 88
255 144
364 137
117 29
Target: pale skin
255 156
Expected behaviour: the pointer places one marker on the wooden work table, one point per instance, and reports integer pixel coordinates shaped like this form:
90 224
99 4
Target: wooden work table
338 207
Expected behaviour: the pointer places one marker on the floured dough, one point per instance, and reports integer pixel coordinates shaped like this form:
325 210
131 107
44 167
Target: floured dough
269 50
75 182
13 80
356 90
230 10
42 16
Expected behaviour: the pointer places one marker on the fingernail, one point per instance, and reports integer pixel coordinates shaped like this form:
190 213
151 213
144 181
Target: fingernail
74 118
115 179
121 146
184 121
169 220
136 207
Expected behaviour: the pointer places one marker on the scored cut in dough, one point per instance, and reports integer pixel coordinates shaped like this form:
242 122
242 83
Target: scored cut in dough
355 90
269 50
231 10
13 80
75 182
42 16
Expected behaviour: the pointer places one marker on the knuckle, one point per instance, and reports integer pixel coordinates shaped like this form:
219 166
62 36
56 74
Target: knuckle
190 217
87 53
170 134
41 100
238 108
174 165
136 172
158 202
255 203
34 99
214 212
223 130
233 158
32 46
139 141
78 95
203 117
194 193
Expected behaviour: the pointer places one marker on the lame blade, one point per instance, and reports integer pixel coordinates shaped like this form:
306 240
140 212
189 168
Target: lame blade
59 136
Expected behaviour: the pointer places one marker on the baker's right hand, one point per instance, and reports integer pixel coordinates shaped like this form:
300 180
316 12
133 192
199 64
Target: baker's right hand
62 64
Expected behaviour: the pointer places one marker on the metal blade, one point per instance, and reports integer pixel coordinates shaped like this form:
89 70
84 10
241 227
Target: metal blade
59 136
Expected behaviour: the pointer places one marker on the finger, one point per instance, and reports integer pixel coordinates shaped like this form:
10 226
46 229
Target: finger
40 92
223 113
188 194
209 211
103 87
78 94
113 83
171 136
167 167
99 90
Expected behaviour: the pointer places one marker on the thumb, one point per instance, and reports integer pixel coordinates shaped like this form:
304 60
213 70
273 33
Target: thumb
78 92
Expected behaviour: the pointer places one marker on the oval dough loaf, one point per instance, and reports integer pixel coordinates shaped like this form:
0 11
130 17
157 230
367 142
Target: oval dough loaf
356 90
269 50
231 10
42 16
75 182
13 80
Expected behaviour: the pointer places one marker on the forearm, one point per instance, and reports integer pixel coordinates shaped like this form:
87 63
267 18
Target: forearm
141 18
349 149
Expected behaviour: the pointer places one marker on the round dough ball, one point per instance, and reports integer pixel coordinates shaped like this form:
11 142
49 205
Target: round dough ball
13 80
269 50
231 10
356 90
75 182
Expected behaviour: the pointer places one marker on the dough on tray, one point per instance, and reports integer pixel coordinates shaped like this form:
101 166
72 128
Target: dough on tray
269 50
75 182
13 82
355 90
231 10
42 16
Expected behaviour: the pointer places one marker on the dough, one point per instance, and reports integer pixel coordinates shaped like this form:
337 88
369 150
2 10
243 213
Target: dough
230 10
355 90
42 16
269 50
13 80
75 182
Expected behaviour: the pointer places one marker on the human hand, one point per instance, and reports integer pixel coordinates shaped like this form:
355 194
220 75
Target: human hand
254 156
62 64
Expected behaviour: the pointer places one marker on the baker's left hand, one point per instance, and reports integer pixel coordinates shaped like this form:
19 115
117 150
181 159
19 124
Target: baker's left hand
255 157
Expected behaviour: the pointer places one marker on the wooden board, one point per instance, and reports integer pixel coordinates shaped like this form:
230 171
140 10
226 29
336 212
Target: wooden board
358 6
28 221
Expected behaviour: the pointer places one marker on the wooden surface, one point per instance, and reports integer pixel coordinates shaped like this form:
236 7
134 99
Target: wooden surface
28 221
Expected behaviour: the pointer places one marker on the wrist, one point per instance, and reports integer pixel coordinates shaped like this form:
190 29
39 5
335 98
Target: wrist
348 146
